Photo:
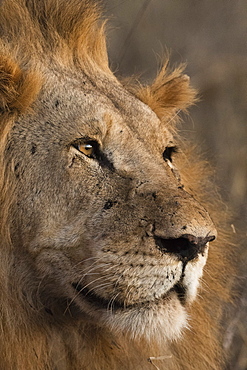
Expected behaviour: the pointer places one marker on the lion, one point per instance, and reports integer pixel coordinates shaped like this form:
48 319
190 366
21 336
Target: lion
110 258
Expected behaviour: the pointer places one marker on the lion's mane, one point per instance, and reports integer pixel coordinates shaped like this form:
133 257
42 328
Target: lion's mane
70 33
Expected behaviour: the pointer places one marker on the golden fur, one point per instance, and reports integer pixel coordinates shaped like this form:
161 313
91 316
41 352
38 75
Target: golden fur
59 227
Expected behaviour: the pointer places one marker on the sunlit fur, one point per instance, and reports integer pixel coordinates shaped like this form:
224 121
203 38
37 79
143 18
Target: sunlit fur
38 36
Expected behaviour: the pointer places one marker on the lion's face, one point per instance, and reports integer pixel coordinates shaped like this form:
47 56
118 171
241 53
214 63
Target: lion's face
103 220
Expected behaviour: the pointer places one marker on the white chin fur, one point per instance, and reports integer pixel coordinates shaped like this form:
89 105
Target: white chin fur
155 323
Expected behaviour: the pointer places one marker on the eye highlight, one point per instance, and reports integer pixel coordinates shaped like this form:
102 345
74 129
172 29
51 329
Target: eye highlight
168 152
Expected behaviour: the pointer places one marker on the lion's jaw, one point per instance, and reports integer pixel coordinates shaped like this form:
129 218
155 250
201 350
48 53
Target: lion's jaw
139 293
147 300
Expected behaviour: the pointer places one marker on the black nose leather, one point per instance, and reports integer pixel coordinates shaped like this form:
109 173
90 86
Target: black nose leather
187 247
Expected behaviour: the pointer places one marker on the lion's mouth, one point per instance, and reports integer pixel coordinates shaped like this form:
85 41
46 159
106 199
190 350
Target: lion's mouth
101 303
94 299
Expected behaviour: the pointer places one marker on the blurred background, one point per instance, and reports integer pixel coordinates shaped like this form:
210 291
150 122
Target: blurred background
211 38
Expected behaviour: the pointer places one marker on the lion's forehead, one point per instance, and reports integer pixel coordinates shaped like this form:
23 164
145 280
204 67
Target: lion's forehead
71 108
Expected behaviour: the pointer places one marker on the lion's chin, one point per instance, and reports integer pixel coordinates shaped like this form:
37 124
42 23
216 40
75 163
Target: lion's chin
152 321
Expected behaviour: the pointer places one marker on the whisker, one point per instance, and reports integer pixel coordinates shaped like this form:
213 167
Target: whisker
98 287
89 259
92 268
84 287
111 303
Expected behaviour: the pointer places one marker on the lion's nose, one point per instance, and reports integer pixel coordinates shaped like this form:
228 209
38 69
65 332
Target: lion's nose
187 247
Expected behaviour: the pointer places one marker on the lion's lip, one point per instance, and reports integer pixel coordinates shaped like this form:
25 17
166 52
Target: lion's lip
102 303
94 299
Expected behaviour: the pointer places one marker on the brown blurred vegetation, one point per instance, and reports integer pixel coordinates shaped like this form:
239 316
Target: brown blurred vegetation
211 38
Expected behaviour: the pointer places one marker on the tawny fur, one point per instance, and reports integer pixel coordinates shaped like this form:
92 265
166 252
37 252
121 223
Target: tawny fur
38 36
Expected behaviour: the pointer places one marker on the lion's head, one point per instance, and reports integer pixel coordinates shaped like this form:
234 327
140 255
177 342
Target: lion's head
102 211
104 229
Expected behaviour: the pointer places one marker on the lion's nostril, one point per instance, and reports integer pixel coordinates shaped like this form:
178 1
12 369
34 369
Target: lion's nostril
187 247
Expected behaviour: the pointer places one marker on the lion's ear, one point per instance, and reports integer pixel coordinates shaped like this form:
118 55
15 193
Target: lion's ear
17 88
170 92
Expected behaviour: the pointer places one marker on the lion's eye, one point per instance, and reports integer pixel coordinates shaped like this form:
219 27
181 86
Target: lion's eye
88 148
168 152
